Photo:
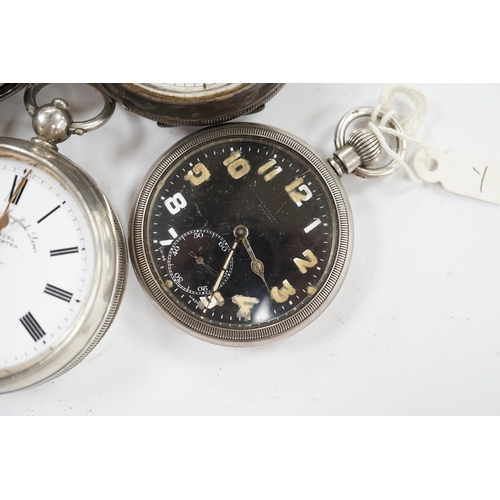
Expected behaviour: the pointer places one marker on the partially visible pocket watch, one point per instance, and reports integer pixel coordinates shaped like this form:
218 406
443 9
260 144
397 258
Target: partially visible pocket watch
181 104
7 89
63 260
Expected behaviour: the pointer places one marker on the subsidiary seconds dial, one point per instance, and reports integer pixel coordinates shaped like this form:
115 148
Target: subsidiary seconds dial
189 258
240 233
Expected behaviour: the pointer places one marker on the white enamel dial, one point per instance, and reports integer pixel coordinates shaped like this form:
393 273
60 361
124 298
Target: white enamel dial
46 262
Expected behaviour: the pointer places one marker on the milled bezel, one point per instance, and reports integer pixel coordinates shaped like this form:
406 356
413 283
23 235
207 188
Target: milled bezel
107 282
240 336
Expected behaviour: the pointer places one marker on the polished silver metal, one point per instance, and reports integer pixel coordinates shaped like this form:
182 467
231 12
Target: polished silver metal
346 160
54 120
367 145
363 149
51 122
258 335
358 166
109 276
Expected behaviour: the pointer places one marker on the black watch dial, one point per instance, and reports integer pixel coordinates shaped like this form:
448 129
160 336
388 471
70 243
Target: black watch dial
241 232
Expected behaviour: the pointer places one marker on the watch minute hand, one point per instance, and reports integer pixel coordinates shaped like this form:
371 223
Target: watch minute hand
240 232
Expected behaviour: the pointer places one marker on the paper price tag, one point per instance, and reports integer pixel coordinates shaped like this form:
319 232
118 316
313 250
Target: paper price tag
461 173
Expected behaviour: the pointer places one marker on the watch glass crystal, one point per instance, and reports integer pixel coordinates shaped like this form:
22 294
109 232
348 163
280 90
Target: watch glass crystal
244 233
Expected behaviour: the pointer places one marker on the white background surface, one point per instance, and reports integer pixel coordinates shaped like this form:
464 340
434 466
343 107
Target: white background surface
415 330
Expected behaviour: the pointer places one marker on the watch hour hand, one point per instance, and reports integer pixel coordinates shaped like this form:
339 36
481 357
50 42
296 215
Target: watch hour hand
256 265
4 218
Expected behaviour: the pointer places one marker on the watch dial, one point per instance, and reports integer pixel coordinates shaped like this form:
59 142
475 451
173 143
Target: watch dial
46 262
241 232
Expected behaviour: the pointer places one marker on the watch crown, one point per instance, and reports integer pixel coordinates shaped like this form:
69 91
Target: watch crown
367 145
362 149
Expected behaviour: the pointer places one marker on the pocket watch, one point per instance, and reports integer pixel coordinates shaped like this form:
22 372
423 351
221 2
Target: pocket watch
242 233
175 104
62 251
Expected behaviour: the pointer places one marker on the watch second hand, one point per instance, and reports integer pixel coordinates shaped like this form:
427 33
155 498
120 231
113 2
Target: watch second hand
199 260
240 232
256 265
4 219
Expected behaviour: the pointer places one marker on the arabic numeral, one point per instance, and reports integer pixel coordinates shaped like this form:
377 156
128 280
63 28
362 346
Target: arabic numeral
224 246
237 166
175 203
298 191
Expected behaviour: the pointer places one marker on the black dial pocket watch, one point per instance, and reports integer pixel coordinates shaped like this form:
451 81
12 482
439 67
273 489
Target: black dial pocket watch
174 104
62 251
242 233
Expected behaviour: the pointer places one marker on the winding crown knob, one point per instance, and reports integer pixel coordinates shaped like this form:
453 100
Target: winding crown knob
367 145
362 149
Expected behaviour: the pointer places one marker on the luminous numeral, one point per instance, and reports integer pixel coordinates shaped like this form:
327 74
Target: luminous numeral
198 175
166 243
311 226
216 300
63 251
236 166
32 326
245 305
59 293
271 175
298 191
281 295
304 265
175 203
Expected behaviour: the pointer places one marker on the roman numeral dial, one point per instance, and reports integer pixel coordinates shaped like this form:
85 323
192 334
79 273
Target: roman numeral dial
45 263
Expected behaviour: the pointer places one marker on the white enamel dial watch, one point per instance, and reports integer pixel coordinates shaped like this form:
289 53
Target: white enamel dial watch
62 257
